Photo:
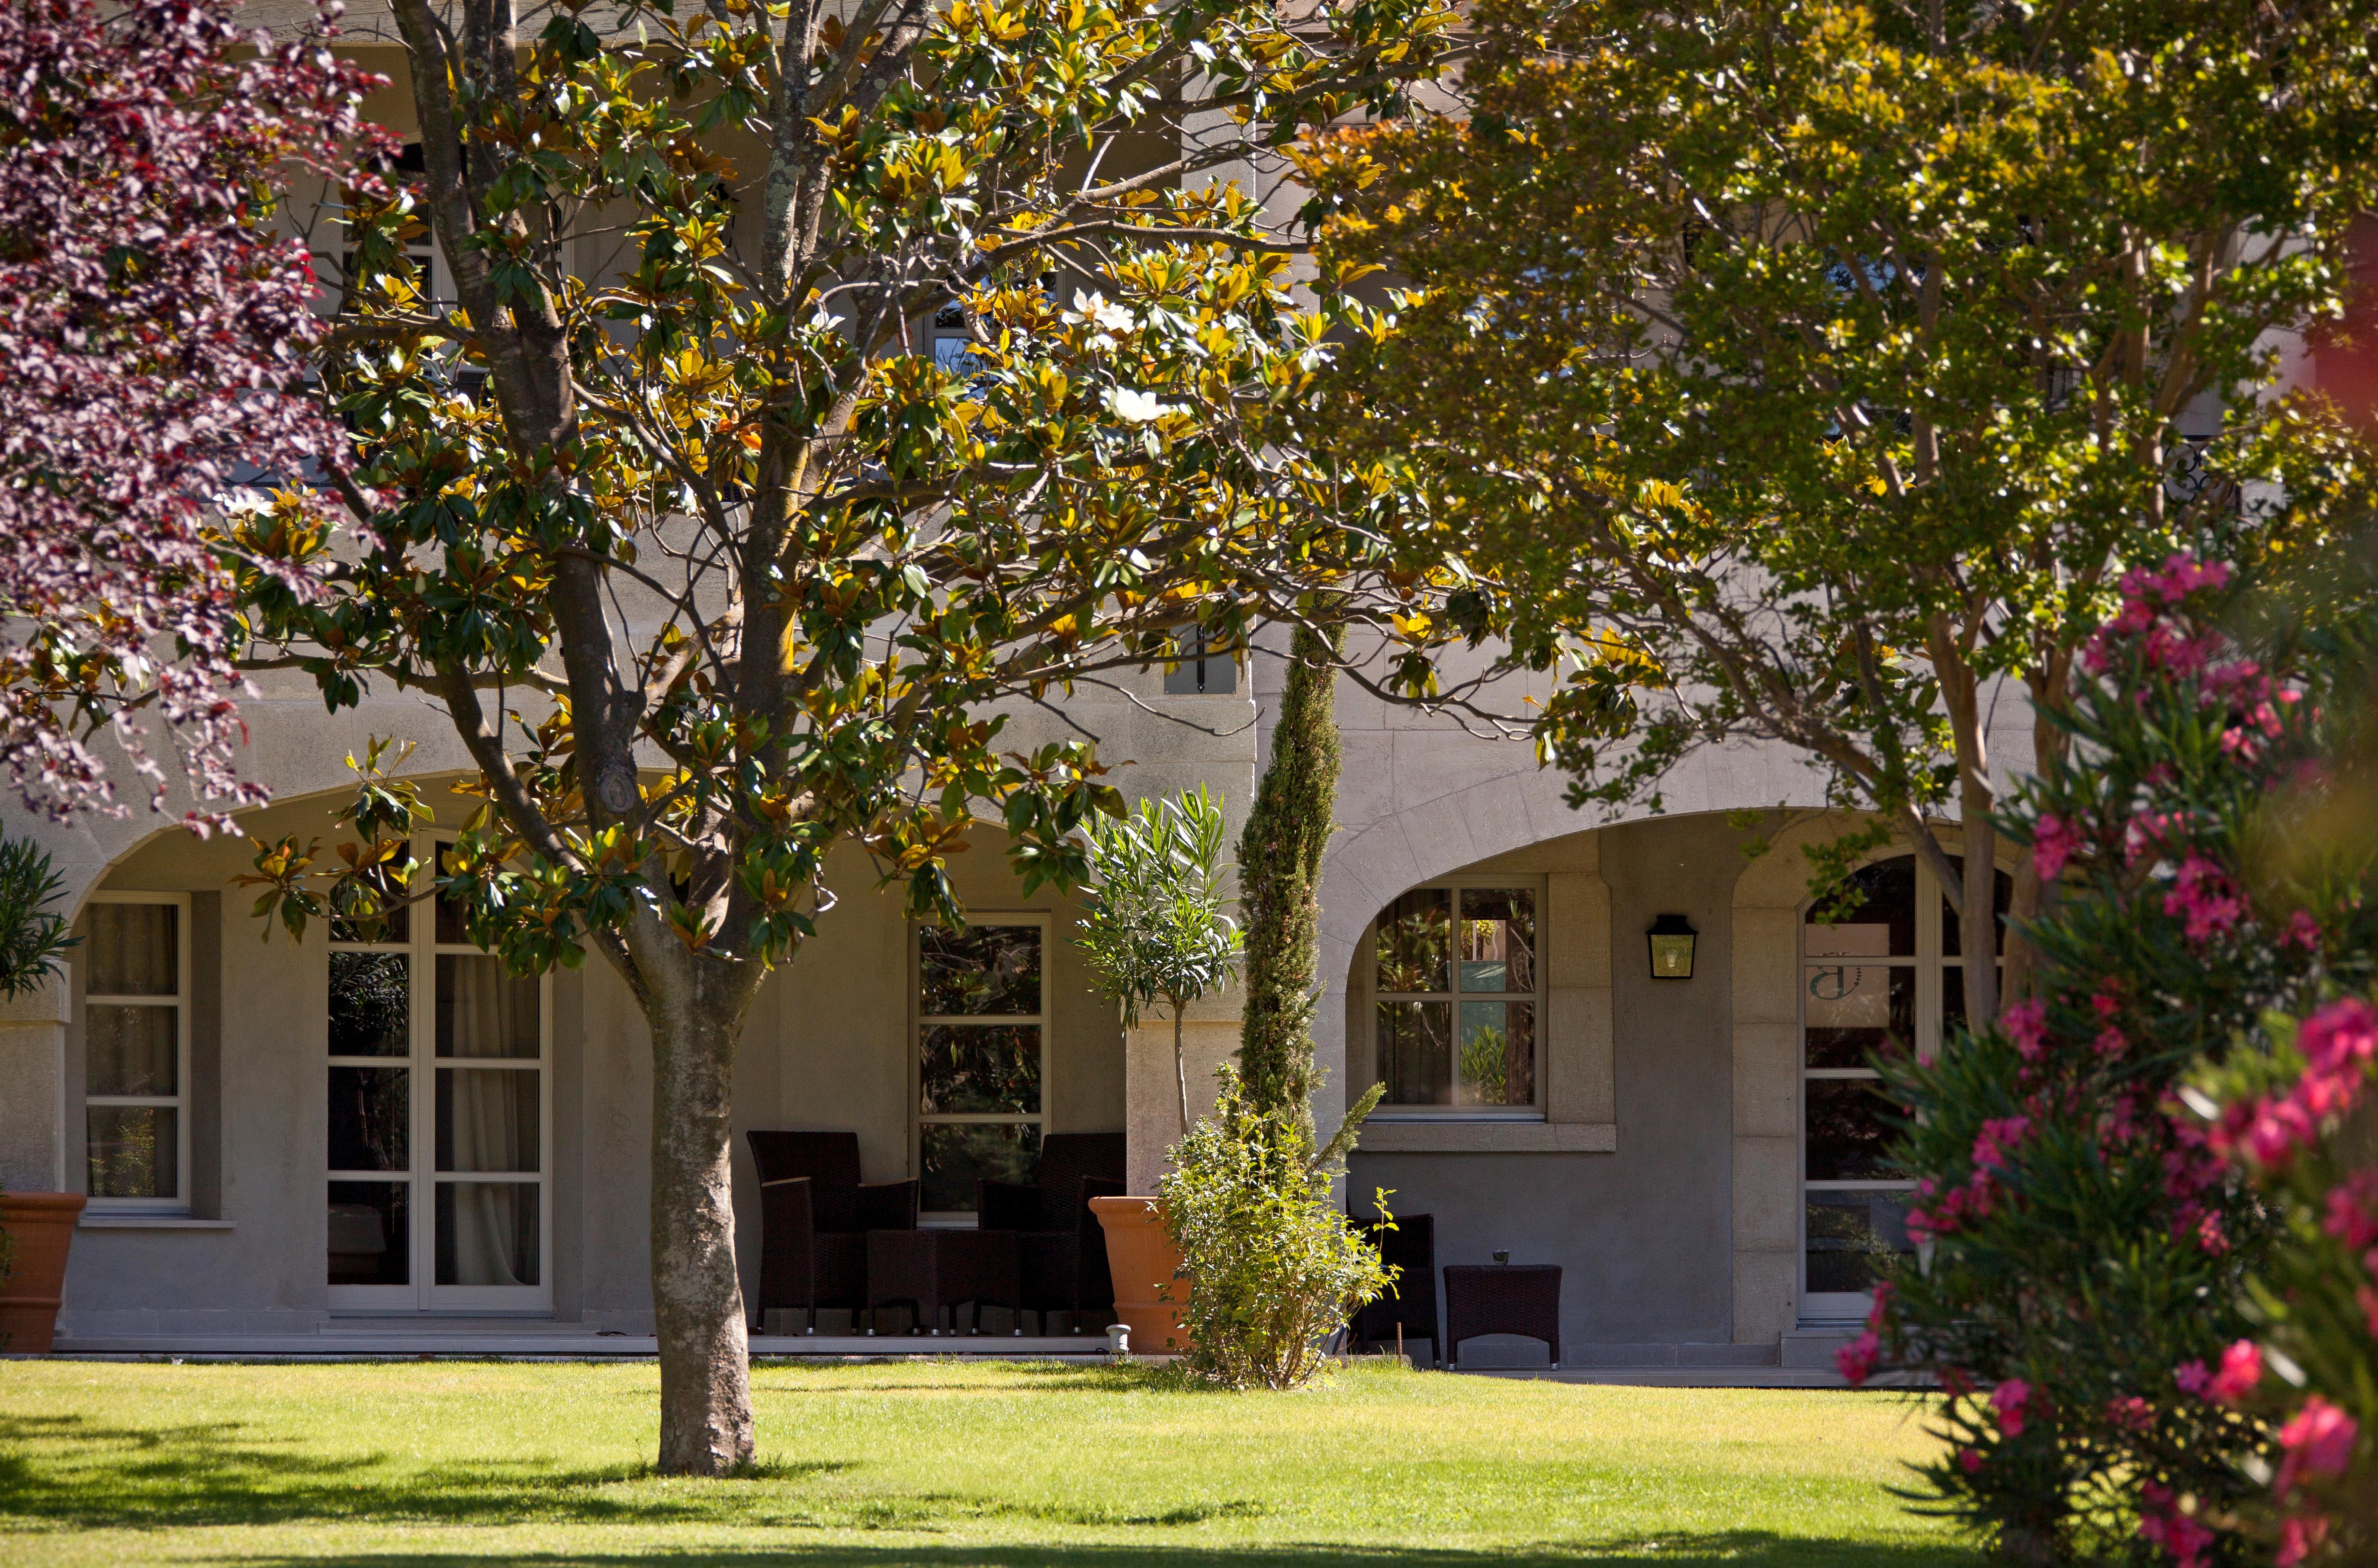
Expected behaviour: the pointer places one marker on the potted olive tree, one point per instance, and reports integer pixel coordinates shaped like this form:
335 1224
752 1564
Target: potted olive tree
1155 931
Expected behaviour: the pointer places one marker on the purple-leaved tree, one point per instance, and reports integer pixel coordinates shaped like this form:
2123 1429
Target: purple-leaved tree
155 326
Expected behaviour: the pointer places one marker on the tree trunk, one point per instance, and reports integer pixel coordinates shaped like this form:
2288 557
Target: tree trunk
1180 1069
697 1298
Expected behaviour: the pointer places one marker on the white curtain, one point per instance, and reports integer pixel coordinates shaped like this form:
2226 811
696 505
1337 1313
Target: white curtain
492 1119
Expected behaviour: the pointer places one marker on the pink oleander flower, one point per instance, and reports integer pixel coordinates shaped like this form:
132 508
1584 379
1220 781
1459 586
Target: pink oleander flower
2026 1026
2110 1043
2303 931
2162 1524
2241 1369
2317 1442
1999 1135
2131 1413
1970 1459
2008 1399
2202 893
2054 841
1854 1361
2191 1377
2342 1034
2300 1535
1879 1308
2353 1210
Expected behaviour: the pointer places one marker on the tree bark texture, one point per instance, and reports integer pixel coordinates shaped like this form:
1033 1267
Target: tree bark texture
697 1298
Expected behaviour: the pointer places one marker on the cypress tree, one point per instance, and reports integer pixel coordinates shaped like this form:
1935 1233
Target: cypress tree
1280 882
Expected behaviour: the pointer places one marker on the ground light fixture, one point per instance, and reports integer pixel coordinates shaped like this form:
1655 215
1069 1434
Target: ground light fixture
1671 937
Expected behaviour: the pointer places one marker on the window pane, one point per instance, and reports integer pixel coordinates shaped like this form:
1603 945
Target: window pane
371 1004
368 1111
1416 1052
132 1050
955 1157
1849 1234
488 1119
484 1011
1953 997
982 969
1415 933
370 1232
1857 1011
449 928
1952 929
135 950
1498 939
1850 1126
1499 1053
487 1233
981 1068
1875 917
132 1152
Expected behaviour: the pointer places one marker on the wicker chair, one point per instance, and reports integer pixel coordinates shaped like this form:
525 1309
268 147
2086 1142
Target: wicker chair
814 1217
1412 1248
1062 1250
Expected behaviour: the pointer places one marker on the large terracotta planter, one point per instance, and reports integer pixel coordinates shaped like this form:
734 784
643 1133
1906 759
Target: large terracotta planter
39 1227
1143 1259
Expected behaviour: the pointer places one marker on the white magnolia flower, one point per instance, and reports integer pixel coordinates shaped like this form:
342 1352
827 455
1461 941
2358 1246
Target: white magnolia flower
1138 407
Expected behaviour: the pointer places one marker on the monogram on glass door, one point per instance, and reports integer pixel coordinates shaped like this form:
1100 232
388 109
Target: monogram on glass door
1880 977
440 1120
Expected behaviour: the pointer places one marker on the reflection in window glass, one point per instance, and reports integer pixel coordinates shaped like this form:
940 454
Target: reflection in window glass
1876 905
1498 939
133 1050
370 1227
979 970
1499 1053
1414 934
1855 1012
1415 1052
134 1151
967 1068
1850 1235
1850 1126
952 1156
371 1004
370 1117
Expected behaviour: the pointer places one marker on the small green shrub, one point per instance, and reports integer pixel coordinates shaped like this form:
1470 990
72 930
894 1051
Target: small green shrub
1275 1269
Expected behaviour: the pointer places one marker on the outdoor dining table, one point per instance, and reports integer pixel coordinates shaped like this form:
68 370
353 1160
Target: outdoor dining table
1521 1299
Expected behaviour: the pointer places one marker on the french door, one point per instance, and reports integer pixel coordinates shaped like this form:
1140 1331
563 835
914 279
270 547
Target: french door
440 1120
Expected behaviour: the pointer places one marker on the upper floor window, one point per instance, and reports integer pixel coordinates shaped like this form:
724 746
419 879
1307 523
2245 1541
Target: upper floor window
1459 991
1203 670
135 1019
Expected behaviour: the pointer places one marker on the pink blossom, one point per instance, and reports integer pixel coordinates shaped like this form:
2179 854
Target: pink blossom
1970 1459
2242 1368
2008 1399
1997 1136
2110 1043
2342 1034
2026 1026
2353 1210
2300 1535
2191 1377
2317 1442
1855 1361
2162 1524
2303 931
2202 893
2131 1413
2054 841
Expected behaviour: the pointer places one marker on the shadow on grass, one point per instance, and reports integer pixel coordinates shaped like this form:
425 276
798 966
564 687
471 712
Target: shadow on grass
1742 1548
89 1476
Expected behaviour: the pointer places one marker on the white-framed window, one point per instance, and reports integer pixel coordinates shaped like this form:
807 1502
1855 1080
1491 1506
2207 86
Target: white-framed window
441 1118
983 1053
135 1031
1882 977
1457 982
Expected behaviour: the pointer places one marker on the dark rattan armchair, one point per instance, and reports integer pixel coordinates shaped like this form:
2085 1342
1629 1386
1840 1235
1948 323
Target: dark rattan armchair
814 1217
1062 1250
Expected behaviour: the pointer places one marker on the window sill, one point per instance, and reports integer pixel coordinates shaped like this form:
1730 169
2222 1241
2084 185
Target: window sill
109 1221
1445 1135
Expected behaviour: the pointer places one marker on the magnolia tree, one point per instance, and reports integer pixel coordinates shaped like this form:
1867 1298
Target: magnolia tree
155 326
1155 930
2086 1231
943 361
1807 370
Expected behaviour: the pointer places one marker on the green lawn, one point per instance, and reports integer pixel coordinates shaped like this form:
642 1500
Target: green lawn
407 1465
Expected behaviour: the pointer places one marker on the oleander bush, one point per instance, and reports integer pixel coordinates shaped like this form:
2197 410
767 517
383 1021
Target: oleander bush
2090 1250
1279 1269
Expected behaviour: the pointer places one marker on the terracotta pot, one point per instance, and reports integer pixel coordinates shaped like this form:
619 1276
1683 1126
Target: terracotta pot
39 1227
1143 1259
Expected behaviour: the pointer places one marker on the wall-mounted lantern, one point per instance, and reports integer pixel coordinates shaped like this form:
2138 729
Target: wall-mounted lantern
1671 947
